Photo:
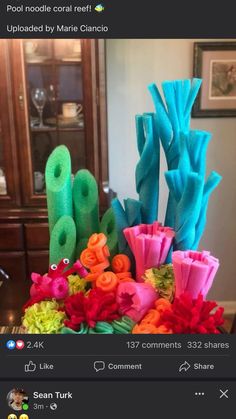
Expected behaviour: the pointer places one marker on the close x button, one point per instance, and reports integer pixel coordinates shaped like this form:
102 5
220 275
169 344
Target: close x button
224 394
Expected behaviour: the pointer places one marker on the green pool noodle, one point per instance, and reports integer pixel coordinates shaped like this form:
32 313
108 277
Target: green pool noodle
101 328
63 240
81 245
123 326
67 331
108 227
85 199
58 185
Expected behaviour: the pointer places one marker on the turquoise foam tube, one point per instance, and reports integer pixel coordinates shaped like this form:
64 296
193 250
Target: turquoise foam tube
133 211
211 183
147 169
171 120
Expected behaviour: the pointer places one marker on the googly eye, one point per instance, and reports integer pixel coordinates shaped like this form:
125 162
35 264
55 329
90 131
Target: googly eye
66 261
54 267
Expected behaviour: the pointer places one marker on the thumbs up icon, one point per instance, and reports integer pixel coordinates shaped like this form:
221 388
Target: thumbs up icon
30 367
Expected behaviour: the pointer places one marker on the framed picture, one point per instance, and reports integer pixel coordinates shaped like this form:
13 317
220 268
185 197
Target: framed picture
215 63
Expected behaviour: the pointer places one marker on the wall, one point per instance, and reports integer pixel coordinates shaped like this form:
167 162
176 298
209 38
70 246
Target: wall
131 66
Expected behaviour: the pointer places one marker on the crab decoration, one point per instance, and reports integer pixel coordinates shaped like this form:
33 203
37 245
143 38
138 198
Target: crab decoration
54 284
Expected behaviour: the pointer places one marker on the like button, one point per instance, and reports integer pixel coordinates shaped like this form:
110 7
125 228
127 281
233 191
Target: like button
30 367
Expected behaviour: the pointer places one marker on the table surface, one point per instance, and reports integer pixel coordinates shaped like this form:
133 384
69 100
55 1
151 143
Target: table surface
12 299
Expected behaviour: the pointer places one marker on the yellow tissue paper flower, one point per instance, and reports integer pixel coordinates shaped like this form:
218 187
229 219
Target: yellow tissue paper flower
162 279
44 317
76 284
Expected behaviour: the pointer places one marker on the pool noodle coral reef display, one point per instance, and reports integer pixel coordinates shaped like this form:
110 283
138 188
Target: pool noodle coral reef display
115 275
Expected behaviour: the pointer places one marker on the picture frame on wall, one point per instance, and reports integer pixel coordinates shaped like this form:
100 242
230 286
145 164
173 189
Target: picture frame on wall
215 63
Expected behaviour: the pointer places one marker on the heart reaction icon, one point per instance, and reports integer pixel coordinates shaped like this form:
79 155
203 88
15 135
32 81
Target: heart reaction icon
20 344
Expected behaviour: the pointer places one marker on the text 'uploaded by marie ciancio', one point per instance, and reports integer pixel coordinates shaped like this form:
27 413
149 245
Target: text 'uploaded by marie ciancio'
44 9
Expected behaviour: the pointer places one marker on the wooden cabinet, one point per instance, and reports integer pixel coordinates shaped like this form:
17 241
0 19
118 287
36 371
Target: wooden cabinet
52 92
36 259
11 237
37 236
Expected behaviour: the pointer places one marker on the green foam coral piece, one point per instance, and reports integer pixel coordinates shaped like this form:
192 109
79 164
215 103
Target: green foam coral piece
108 227
68 331
81 245
85 199
101 328
58 185
123 326
63 240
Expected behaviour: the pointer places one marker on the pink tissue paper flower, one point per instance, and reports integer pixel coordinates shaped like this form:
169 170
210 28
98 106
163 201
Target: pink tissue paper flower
150 244
135 299
194 272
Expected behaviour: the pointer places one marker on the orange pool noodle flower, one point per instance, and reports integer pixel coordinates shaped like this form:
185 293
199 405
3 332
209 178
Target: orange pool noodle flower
120 263
107 281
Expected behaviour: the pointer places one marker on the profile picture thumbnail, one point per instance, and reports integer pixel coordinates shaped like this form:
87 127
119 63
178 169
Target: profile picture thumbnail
17 398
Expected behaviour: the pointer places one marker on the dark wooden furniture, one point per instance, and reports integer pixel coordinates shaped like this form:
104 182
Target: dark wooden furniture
70 71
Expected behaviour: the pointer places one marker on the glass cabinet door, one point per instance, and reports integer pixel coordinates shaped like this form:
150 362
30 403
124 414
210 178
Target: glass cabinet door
3 182
3 117
55 102
60 98
9 180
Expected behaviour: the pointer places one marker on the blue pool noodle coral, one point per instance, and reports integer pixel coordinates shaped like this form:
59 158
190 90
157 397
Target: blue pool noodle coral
188 191
147 169
145 209
185 152
173 119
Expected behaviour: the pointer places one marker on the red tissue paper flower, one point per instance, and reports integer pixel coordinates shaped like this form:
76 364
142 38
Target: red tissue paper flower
96 306
74 308
193 316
